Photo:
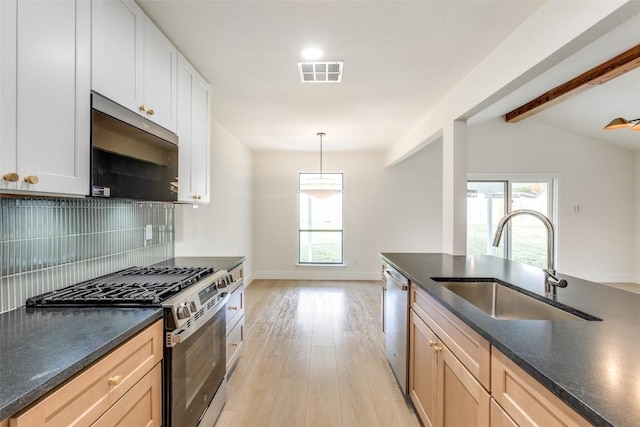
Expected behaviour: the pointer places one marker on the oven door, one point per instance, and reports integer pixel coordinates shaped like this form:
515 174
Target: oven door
194 370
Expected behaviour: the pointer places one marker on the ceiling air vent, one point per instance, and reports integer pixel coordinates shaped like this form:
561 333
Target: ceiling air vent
320 72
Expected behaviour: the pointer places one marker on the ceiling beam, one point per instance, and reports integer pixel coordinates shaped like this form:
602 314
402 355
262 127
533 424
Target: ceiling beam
611 69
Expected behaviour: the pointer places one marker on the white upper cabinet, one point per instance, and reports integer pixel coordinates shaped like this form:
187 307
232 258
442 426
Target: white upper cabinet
159 77
133 63
117 43
194 122
8 143
45 83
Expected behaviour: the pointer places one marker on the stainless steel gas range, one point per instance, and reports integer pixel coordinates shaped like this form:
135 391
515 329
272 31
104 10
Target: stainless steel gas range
192 298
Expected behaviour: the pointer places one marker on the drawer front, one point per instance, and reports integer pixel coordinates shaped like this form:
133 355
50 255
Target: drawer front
468 346
527 401
499 418
235 307
84 398
235 340
140 406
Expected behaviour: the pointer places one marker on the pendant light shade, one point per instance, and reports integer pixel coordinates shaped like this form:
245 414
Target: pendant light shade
621 123
321 186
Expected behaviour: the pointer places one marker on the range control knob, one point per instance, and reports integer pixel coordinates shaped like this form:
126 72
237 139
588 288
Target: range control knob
193 306
183 311
221 283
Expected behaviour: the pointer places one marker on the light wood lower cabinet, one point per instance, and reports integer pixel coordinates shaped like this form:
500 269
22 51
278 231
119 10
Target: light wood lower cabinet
462 401
125 378
525 399
141 406
423 369
444 392
452 369
470 348
499 418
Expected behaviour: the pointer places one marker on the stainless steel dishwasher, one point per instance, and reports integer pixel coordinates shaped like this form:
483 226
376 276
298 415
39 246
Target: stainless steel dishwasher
396 305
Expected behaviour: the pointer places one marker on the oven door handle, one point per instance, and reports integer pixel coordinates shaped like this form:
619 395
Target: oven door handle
180 335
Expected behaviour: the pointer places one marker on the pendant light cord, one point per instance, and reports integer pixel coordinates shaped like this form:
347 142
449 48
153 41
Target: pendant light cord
321 134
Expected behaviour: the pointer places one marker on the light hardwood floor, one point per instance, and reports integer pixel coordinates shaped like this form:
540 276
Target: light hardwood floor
314 356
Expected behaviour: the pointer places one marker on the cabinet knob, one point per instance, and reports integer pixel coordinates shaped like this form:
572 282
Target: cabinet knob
142 107
437 349
32 179
115 380
432 343
11 177
235 344
150 112
233 307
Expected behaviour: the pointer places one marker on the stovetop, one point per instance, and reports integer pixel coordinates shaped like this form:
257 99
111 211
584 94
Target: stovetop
136 286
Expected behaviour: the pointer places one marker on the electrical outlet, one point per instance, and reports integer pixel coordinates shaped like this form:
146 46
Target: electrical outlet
148 232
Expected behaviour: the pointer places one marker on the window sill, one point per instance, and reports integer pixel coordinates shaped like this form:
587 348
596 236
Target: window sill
320 265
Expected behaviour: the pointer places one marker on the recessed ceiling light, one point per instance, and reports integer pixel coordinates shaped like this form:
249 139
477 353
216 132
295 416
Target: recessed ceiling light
312 53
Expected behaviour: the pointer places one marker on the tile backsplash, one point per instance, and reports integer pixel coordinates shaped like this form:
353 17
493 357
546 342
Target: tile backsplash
47 244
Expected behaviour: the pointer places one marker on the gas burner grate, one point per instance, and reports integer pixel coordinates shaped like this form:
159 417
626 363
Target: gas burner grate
136 286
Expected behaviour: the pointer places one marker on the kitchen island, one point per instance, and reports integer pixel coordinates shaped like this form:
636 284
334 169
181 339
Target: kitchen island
590 365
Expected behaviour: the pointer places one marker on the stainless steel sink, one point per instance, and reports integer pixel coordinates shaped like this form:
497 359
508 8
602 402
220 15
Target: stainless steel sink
502 302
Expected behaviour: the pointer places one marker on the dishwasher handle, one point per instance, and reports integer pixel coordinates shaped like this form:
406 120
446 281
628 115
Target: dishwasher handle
396 278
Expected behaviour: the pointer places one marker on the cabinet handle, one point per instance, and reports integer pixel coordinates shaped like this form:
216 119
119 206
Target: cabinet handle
233 307
115 380
437 349
235 344
432 343
150 112
11 177
142 108
32 179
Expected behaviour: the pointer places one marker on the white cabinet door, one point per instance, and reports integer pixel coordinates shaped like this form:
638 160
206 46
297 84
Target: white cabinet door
8 21
133 63
200 149
117 45
194 134
52 108
186 81
159 77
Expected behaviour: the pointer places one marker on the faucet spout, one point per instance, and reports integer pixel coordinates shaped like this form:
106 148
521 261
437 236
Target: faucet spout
551 281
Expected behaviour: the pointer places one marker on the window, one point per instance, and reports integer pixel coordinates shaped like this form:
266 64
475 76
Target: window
525 237
320 231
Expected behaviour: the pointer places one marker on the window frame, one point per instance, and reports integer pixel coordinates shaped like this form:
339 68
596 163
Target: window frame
553 182
301 230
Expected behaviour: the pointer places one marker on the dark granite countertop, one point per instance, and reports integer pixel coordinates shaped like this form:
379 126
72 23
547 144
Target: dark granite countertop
218 263
42 348
594 366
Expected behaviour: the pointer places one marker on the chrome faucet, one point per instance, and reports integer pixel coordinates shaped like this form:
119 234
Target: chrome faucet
551 281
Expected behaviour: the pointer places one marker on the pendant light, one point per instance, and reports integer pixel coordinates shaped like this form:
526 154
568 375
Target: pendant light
323 186
621 123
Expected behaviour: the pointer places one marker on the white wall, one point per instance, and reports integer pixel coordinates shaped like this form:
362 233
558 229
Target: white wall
637 213
222 227
599 243
395 209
